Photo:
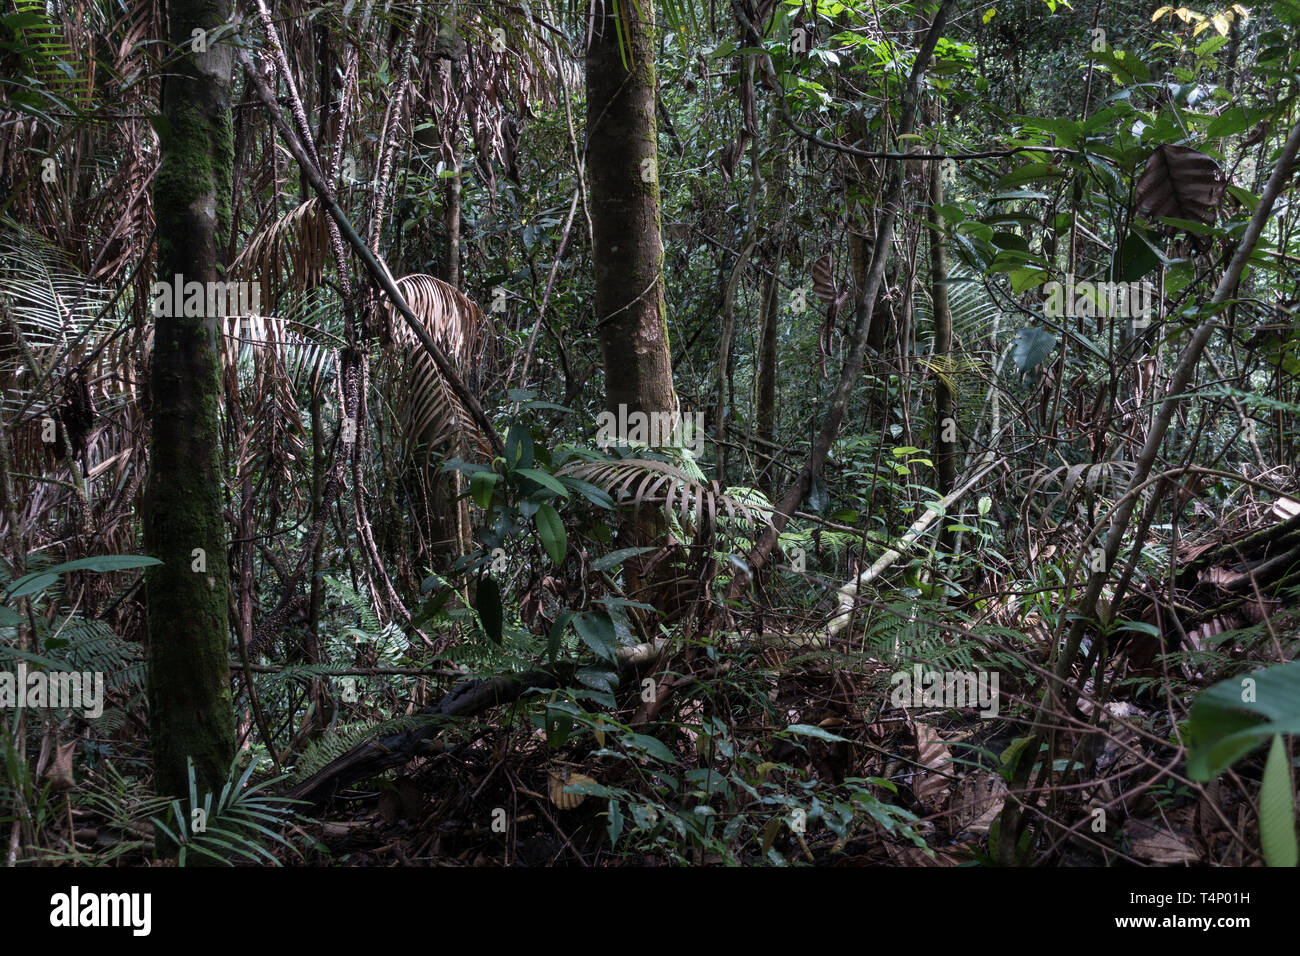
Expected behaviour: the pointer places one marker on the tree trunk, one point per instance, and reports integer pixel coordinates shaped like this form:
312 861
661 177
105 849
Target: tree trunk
765 388
622 174
451 221
191 711
945 398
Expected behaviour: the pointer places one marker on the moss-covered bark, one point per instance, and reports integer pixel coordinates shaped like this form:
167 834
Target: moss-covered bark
622 174
191 710
623 178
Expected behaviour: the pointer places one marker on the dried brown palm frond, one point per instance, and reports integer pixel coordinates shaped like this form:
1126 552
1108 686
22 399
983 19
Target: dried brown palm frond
258 353
66 389
77 157
295 246
430 413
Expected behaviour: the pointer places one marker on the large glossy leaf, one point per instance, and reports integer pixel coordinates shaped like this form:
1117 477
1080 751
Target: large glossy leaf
550 527
481 484
39 580
549 482
1031 346
1233 717
1277 809
597 632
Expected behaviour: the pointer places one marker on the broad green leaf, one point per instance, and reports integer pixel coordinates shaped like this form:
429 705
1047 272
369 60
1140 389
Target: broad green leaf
597 632
549 482
1233 717
1277 809
1031 347
1135 258
615 558
651 746
1030 173
550 526
556 634
38 580
519 447
481 484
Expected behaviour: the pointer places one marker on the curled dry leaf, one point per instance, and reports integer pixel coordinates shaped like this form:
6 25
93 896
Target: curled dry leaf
558 780
976 803
1157 843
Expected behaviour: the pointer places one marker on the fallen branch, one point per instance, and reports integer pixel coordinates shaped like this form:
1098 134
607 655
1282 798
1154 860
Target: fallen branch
934 510
374 756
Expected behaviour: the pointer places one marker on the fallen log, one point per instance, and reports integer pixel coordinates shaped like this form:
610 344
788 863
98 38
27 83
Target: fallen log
372 757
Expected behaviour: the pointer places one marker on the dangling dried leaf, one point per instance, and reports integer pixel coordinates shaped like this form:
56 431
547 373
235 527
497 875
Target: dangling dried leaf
824 279
296 245
59 773
1181 183
976 803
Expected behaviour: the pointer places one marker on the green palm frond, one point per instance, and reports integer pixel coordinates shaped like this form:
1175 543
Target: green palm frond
640 482
234 824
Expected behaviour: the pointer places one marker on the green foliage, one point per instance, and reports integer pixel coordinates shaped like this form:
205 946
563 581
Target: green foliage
1233 717
344 737
237 824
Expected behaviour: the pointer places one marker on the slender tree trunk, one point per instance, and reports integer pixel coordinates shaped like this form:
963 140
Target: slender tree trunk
622 174
765 398
945 398
191 711
451 222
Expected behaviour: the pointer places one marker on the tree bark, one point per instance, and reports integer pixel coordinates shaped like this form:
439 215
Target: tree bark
451 221
622 175
191 710
945 398
765 388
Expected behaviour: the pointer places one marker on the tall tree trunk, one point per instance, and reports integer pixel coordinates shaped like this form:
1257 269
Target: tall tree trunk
945 398
191 711
622 174
451 221
765 388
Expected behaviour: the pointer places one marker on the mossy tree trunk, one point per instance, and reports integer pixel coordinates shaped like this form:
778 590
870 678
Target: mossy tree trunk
945 397
622 172
191 709
622 175
765 389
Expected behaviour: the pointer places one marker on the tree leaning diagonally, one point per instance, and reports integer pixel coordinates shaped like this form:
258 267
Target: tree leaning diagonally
191 709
